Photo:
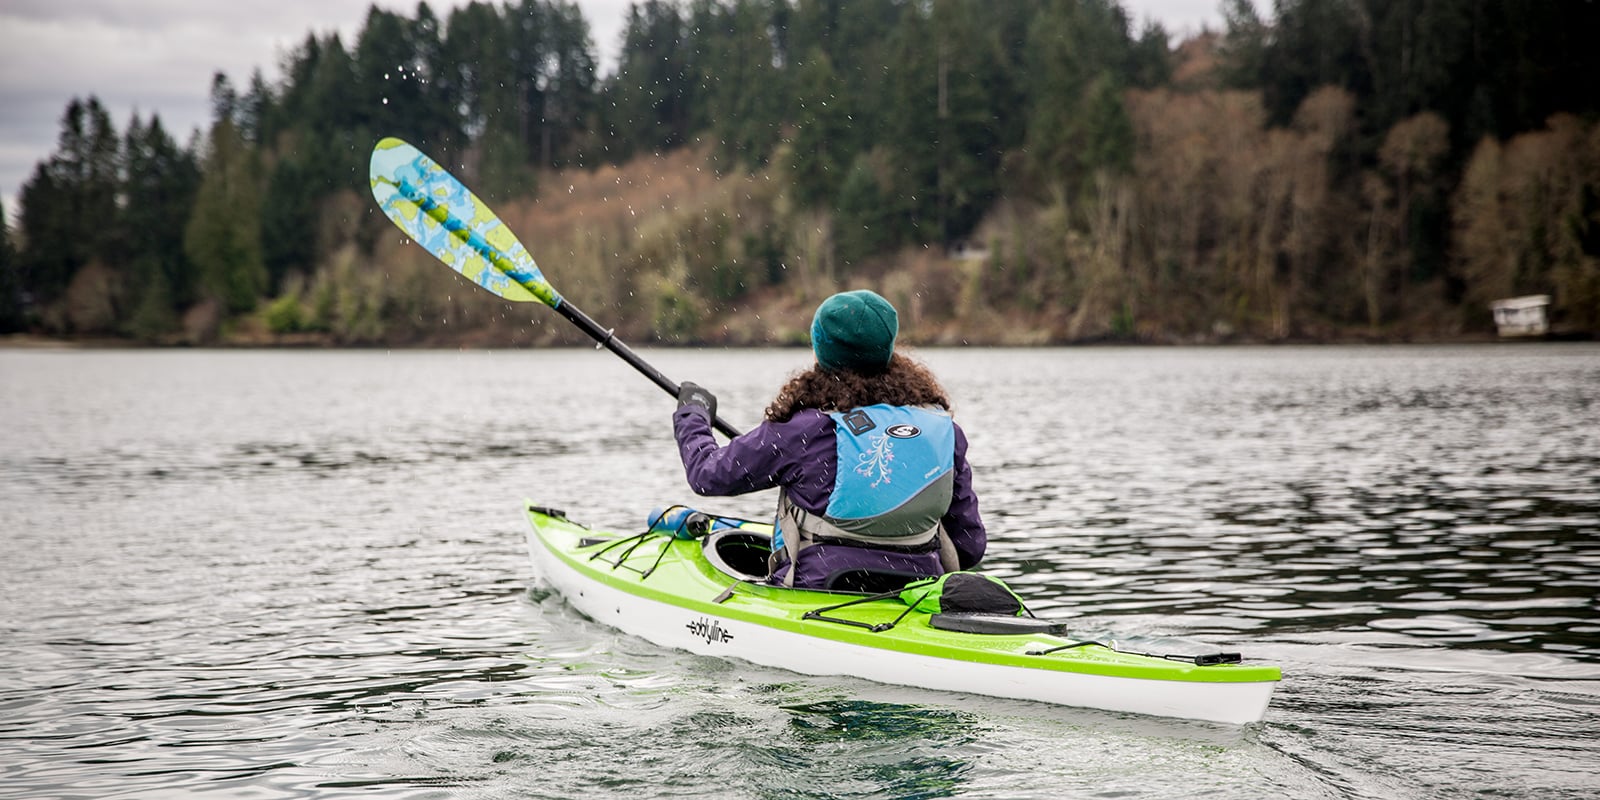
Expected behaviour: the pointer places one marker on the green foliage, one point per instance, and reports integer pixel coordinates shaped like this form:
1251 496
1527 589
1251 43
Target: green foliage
1122 322
1322 176
565 78
154 312
348 301
866 223
675 313
1078 60
1244 45
289 221
740 93
286 313
503 172
1150 65
650 96
1488 67
11 318
69 212
820 151
1105 137
390 90
159 194
223 237
1314 43
954 80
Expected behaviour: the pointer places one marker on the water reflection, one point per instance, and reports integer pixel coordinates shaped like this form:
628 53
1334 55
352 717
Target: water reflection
302 575
1426 494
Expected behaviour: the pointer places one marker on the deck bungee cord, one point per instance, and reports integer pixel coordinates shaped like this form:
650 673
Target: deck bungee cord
683 522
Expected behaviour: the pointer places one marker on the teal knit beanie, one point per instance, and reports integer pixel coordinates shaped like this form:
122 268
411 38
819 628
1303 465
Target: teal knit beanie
854 330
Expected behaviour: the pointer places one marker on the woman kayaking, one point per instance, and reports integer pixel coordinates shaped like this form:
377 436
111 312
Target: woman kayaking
874 485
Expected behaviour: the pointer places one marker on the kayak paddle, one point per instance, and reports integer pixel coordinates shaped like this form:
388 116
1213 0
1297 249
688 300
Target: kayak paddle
448 220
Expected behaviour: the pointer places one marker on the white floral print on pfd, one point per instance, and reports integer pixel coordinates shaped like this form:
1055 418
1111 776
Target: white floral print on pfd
876 460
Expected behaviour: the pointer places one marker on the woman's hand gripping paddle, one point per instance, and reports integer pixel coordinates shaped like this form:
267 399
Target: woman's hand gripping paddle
448 220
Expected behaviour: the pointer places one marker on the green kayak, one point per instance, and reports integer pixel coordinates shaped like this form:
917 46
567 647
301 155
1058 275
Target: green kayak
705 594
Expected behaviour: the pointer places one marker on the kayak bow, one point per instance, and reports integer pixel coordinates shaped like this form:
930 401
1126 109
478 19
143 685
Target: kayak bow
704 595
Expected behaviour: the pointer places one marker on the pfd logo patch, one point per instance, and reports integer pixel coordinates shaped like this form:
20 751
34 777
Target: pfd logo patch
904 431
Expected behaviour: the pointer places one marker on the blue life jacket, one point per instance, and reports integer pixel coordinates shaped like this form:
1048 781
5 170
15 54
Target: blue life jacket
893 480
895 472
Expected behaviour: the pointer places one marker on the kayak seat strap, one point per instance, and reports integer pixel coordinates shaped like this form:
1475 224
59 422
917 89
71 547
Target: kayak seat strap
801 530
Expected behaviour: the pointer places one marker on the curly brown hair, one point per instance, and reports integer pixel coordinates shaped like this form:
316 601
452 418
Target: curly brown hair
905 382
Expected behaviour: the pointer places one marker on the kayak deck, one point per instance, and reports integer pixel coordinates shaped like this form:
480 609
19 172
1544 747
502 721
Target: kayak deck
667 590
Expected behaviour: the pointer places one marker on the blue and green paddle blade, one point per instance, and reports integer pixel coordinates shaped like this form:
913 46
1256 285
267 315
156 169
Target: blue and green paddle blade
449 221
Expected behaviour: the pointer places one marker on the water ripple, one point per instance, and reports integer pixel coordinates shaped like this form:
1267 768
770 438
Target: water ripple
301 575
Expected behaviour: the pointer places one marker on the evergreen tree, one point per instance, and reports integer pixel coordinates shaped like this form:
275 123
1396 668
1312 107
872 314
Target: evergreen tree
255 111
101 172
223 237
1078 51
434 114
288 222
334 103
739 93
1150 62
911 129
1107 134
493 97
975 50
912 132
11 319
524 29
570 82
295 105
650 96
1526 60
484 88
49 220
159 187
391 81
224 100
1244 45
867 222
338 141
857 37
69 206
821 147
554 66
1314 43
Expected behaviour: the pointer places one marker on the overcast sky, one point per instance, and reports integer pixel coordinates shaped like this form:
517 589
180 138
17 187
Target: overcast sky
158 56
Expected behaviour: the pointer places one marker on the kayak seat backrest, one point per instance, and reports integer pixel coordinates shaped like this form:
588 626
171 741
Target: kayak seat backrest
744 554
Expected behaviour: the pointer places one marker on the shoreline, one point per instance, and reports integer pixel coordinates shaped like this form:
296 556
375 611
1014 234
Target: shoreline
24 341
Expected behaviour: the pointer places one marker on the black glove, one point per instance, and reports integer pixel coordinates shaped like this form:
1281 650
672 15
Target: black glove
694 396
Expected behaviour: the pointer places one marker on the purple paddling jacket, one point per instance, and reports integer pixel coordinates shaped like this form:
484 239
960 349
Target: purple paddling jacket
800 454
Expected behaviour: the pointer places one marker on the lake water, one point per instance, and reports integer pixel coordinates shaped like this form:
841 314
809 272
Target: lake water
303 574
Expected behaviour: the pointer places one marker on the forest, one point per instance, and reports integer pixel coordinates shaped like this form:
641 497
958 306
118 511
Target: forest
1029 172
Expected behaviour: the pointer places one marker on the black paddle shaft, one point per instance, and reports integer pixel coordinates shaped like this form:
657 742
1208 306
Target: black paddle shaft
605 338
